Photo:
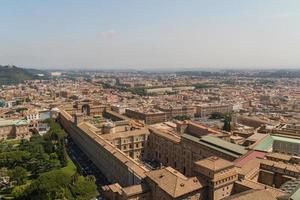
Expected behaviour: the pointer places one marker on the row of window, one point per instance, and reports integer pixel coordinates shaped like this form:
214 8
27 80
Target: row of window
225 180
131 146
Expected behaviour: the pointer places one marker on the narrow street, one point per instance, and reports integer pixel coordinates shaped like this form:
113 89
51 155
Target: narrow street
87 167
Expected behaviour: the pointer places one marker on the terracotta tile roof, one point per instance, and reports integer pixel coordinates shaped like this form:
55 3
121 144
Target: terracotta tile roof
281 165
247 158
135 189
88 129
252 194
279 156
259 186
214 163
173 182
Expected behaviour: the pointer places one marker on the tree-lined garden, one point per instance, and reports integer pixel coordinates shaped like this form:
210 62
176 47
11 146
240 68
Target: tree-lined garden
40 168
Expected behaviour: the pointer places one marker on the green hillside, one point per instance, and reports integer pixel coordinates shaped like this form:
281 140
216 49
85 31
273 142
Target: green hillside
15 75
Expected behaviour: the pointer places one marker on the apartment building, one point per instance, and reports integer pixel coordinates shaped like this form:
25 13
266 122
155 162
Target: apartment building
148 117
181 151
14 129
161 114
129 139
126 171
197 167
207 109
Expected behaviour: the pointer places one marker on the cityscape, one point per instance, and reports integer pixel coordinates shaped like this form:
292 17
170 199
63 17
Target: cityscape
141 135
173 101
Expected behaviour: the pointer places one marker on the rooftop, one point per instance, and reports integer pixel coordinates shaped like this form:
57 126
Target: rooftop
173 182
249 157
217 144
266 143
252 194
6 122
214 163
224 144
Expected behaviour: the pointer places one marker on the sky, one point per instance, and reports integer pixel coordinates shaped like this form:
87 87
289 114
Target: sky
150 34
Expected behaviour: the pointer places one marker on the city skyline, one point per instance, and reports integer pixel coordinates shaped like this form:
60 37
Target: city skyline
152 35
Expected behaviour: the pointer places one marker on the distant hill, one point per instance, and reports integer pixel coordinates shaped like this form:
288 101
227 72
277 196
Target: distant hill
15 75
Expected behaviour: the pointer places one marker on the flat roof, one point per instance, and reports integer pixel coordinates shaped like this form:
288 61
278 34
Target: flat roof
266 143
211 145
224 144
286 139
8 122
296 195
249 158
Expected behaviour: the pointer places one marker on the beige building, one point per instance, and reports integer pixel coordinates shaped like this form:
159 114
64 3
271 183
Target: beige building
181 151
220 175
147 117
129 139
207 109
275 173
168 184
115 164
287 129
214 180
195 167
161 114
14 129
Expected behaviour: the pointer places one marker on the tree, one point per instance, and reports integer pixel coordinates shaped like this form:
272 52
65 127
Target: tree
201 85
19 190
14 158
84 188
50 185
182 117
216 115
139 91
227 125
19 102
62 155
18 174
2 103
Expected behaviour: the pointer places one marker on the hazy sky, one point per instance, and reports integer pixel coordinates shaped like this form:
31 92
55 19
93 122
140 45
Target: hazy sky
150 33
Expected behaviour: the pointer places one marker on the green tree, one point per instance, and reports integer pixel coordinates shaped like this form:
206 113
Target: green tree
227 125
201 85
19 190
2 103
14 158
139 91
84 188
50 185
18 174
182 117
216 115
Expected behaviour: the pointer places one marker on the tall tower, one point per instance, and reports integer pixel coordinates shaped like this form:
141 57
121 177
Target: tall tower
219 175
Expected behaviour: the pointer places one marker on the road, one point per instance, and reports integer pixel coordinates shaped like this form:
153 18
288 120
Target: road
87 167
